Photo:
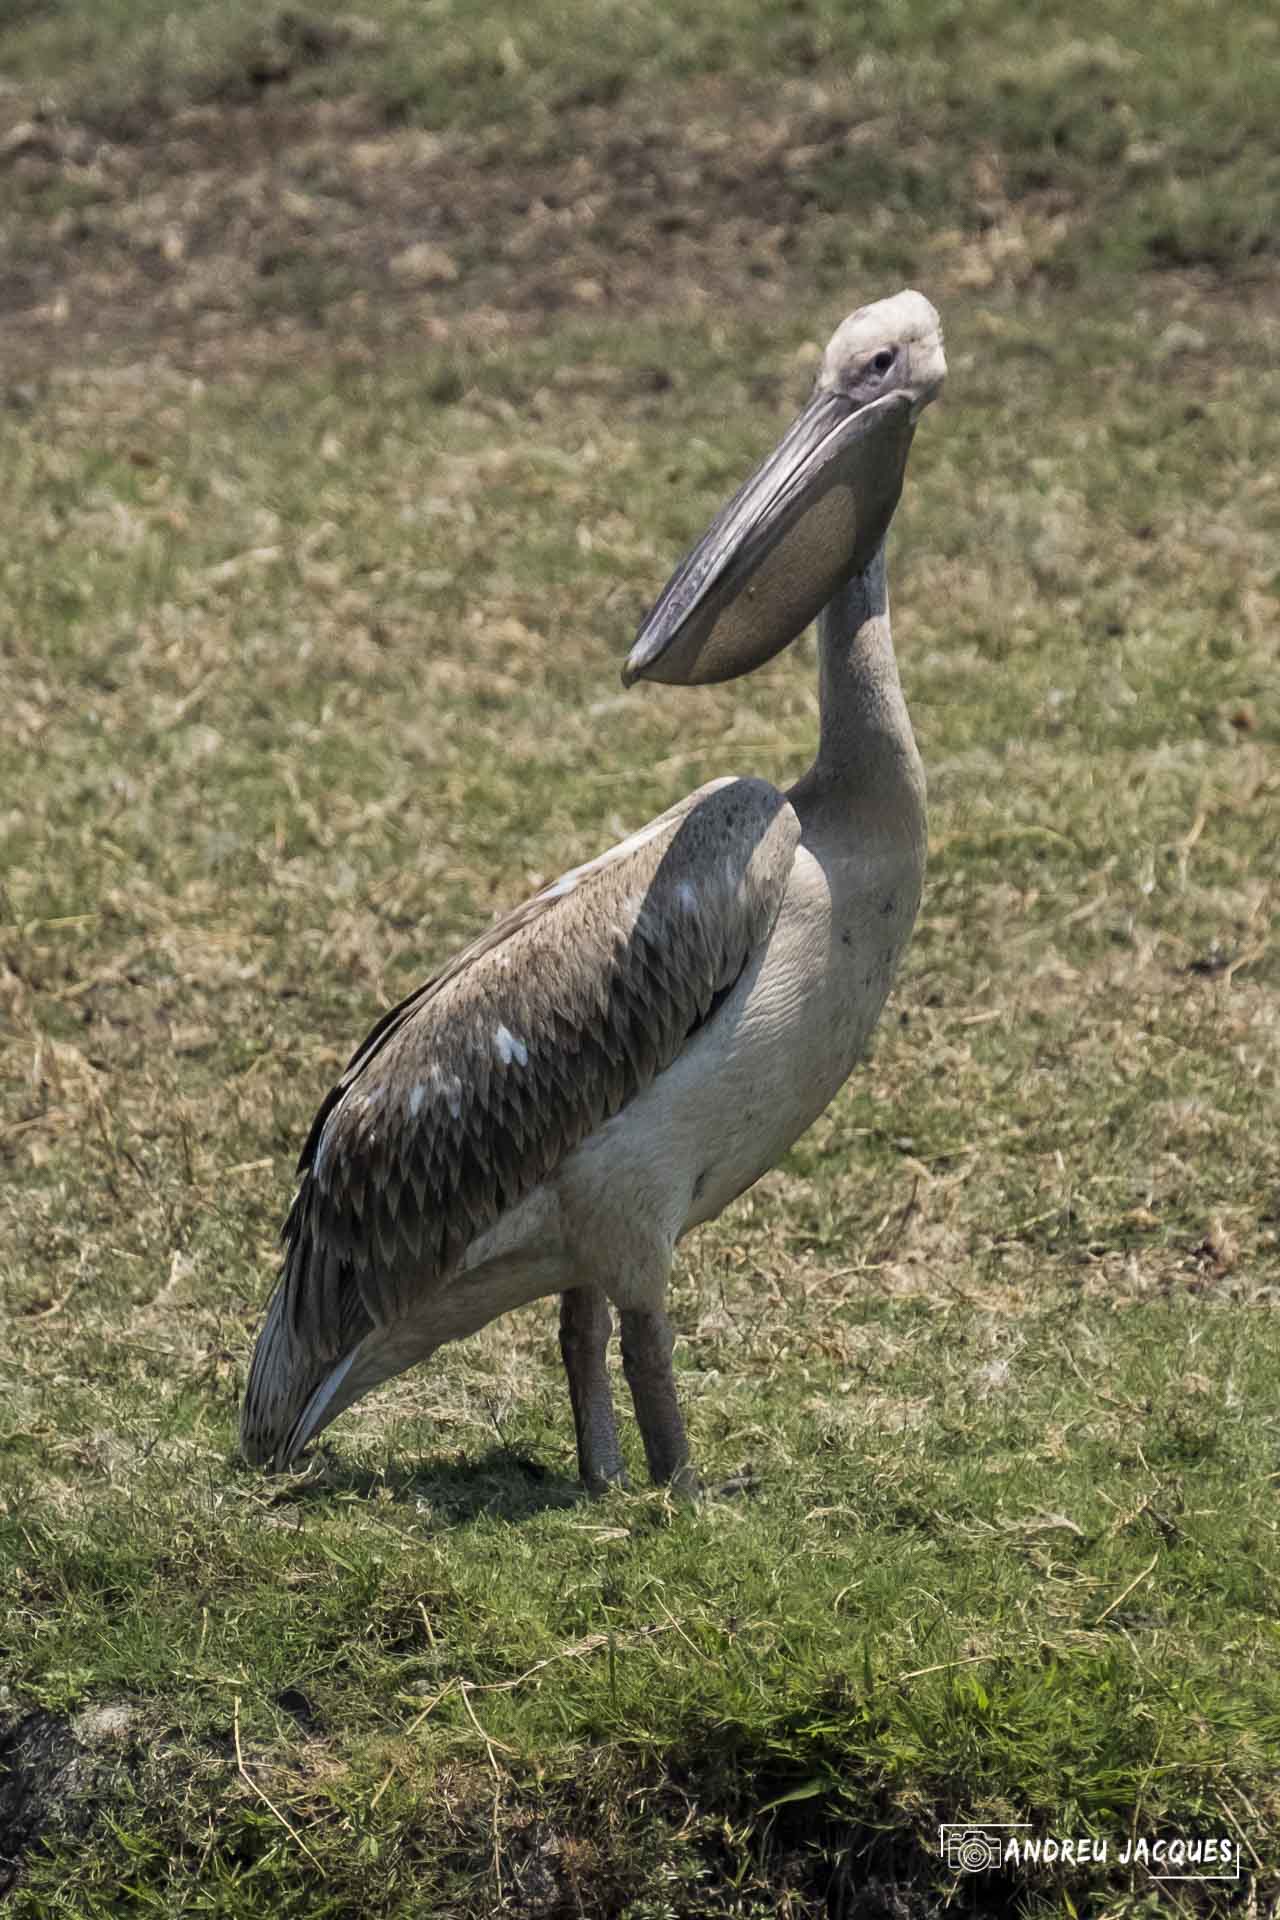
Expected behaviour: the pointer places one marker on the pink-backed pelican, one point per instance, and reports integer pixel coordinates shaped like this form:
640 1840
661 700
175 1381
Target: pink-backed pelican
620 1057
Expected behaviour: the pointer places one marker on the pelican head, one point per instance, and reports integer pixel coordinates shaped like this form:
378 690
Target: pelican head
812 514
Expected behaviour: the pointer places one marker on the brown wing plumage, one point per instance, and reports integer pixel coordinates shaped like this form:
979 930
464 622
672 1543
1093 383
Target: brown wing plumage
470 1092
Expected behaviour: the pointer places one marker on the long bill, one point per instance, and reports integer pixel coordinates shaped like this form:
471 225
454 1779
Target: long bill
810 516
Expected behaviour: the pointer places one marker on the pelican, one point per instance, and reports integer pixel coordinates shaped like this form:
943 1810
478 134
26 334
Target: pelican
620 1057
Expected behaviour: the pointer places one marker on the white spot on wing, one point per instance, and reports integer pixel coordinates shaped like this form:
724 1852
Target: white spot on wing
416 1099
508 1047
450 1086
687 896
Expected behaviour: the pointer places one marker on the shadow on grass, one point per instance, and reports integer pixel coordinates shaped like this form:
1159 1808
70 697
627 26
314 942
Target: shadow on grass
499 1484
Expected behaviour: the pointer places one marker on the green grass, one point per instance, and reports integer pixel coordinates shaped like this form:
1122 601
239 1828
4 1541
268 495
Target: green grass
1020 140
312 599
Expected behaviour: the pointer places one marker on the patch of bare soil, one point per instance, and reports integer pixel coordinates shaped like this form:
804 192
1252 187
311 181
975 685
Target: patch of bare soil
245 229
54 1773
35 1752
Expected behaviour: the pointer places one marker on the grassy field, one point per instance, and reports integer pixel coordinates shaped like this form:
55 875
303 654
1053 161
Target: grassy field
363 376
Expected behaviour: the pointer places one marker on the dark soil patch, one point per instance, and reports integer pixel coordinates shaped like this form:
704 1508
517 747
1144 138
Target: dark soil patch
51 1781
37 1756
254 226
244 230
56 1774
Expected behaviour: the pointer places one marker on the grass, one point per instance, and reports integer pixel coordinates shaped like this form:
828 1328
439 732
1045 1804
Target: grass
314 591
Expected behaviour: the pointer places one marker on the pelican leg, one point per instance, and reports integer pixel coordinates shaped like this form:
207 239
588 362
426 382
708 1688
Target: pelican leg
647 1341
585 1327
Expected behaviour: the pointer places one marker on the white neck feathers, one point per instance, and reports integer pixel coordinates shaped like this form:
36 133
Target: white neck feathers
866 730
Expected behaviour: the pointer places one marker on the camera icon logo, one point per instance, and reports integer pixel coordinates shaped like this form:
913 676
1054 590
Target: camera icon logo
970 1849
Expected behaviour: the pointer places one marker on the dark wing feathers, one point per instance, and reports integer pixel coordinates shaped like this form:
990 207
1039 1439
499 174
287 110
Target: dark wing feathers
470 1092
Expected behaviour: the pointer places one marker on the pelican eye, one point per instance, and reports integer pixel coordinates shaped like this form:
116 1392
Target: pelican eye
884 360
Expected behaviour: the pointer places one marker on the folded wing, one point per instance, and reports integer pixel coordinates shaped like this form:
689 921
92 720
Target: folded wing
472 1091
